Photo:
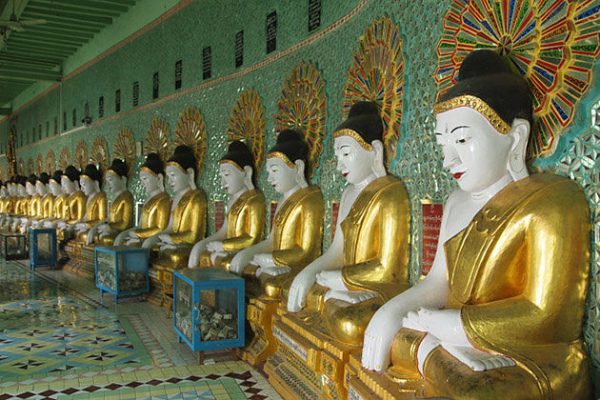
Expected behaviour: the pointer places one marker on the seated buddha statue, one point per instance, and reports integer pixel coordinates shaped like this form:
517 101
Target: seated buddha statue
156 209
60 201
95 207
46 205
297 229
245 220
76 200
187 222
29 205
15 203
120 214
500 314
367 262
3 197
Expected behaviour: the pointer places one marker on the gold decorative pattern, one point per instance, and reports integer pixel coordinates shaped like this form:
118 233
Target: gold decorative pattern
476 104
50 164
99 154
81 155
124 147
11 157
191 131
64 160
302 106
21 167
39 165
354 135
377 74
157 139
30 167
282 157
247 123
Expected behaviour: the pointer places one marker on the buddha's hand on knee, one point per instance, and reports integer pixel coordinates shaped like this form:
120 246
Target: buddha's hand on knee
264 260
349 296
194 259
216 246
166 246
446 325
379 337
239 262
217 254
332 280
299 289
273 271
478 360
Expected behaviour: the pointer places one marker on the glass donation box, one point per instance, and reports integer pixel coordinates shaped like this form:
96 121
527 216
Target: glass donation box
208 309
13 246
42 247
122 271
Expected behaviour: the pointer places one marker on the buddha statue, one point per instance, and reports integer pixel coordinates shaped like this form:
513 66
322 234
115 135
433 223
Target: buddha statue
15 202
120 214
245 220
187 222
156 209
95 208
60 201
30 205
500 314
3 197
76 199
21 203
46 202
294 241
332 299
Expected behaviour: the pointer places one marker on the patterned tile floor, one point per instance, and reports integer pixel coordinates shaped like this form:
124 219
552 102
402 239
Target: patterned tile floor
57 341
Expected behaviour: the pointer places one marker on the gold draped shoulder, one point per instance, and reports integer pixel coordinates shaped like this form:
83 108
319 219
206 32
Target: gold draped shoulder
35 206
155 216
60 206
120 215
95 209
47 206
245 221
189 218
75 208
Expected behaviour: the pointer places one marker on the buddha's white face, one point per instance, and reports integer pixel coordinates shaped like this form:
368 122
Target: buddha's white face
281 176
12 190
232 178
3 191
55 187
67 184
353 161
29 188
40 188
115 182
88 186
150 181
21 190
177 178
475 153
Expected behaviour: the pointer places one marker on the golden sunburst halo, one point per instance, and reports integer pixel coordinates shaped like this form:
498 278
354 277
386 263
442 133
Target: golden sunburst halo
157 139
302 106
247 124
191 131
81 155
64 159
39 165
50 164
124 147
99 154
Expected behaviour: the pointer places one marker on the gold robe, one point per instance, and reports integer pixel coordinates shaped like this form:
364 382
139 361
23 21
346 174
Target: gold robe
376 259
245 227
187 226
297 238
120 217
35 206
94 214
155 216
75 207
60 206
47 206
518 273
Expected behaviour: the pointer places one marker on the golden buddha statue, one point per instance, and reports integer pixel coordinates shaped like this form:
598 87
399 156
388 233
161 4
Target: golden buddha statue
331 301
187 223
46 201
156 209
32 206
20 203
59 204
500 314
245 220
294 241
120 214
3 198
95 208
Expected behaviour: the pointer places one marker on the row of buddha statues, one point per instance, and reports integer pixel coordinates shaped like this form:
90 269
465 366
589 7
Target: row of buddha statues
498 317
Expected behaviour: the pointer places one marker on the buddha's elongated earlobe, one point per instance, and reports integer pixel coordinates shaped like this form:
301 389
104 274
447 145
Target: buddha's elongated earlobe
517 166
300 174
378 165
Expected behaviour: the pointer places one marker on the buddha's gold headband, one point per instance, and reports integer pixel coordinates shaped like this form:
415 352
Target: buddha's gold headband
476 104
144 168
83 176
110 171
176 164
282 157
233 163
354 135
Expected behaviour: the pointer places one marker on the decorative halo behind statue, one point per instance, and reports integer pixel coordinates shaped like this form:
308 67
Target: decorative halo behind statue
81 155
247 123
124 147
100 153
21 167
50 165
191 131
30 166
302 106
377 74
554 45
39 164
157 138
64 160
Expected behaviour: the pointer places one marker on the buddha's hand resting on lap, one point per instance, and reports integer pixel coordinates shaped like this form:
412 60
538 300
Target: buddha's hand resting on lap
215 246
478 360
240 261
300 288
349 296
332 280
379 336
264 260
217 254
165 238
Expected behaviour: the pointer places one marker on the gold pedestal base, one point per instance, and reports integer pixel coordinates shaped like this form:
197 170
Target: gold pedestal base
260 313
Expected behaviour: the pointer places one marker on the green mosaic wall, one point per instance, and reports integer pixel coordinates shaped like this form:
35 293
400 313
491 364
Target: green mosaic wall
213 23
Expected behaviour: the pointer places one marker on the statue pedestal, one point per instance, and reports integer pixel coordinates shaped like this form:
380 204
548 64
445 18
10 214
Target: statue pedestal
260 317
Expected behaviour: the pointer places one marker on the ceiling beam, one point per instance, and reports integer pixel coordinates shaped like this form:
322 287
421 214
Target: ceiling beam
21 64
52 7
52 36
26 58
34 51
91 4
71 27
49 15
21 74
5 110
128 2
46 47
43 41
44 29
